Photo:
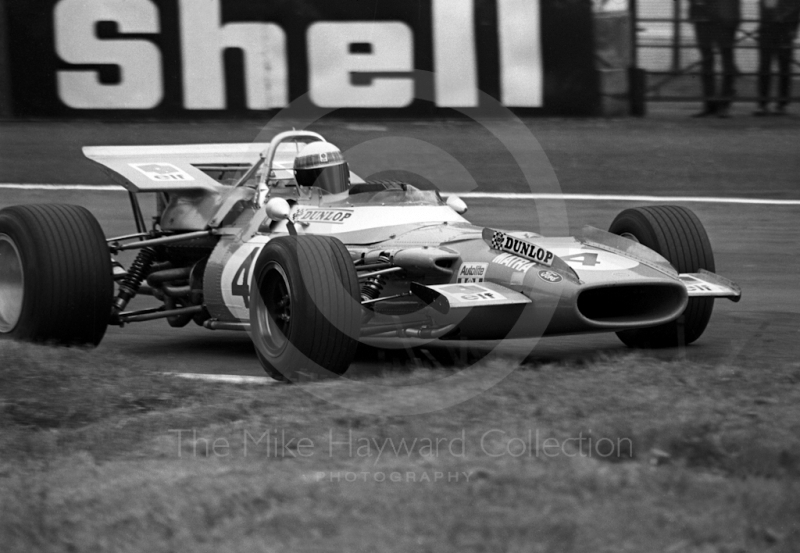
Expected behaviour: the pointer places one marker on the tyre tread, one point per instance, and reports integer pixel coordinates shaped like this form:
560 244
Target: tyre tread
69 267
328 277
677 234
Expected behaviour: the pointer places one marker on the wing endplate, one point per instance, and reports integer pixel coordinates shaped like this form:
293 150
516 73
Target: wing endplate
705 284
446 297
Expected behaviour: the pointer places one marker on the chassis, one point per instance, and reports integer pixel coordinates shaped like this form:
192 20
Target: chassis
237 245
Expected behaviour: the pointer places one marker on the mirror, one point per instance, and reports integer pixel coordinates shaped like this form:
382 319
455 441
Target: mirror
278 209
457 204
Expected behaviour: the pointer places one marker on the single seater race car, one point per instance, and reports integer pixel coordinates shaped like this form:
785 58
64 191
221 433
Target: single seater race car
281 239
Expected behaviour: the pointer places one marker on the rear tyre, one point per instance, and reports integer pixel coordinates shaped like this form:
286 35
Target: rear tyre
56 283
305 307
678 235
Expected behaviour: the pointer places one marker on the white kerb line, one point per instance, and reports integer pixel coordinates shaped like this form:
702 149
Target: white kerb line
476 195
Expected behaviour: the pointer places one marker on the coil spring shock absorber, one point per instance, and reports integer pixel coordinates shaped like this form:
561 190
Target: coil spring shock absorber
372 287
132 281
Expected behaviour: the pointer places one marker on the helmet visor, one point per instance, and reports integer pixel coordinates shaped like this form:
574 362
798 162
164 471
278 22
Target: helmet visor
332 179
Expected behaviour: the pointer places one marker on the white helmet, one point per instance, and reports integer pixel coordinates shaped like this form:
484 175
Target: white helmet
321 164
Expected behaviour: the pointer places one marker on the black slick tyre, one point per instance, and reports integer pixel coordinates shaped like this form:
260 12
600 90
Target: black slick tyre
678 235
305 307
56 283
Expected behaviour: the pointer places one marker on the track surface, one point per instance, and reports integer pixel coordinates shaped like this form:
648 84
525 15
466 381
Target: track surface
754 245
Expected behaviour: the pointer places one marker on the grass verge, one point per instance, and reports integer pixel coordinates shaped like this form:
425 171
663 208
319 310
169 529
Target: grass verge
623 453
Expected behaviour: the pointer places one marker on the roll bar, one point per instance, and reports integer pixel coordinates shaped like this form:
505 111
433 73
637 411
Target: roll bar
269 154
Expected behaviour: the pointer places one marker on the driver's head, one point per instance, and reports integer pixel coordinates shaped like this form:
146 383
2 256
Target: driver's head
321 164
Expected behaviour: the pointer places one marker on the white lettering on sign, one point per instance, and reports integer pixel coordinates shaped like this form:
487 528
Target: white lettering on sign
455 61
521 69
204 40
513 262
138 60
472 272
334 64
162 172
351 63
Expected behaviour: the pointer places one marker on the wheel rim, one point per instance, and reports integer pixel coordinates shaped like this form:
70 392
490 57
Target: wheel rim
12 284
274 311
630 236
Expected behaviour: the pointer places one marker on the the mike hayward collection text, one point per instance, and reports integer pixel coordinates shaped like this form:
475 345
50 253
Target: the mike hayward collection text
492 443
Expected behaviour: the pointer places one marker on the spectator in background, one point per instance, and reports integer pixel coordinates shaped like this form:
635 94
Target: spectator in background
776 34
715 24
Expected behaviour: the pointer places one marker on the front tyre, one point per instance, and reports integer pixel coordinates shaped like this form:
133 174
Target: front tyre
56 283
678 235
305 308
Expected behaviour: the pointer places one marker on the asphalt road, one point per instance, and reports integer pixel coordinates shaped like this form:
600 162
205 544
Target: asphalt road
754 245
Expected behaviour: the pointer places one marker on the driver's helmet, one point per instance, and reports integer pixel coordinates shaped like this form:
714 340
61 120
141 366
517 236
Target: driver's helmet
321 164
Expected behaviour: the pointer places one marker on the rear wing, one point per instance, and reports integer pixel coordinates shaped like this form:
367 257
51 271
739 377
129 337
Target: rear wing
186 170
172 168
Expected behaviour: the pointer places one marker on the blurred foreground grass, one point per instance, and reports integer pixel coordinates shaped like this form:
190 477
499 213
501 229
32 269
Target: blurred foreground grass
99 453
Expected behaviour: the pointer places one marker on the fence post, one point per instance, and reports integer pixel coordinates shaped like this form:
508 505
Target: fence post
676 35
636 76
6 106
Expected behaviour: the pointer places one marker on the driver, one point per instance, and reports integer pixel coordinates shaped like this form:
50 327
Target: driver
321 164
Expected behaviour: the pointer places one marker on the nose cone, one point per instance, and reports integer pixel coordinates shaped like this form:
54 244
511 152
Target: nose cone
549 288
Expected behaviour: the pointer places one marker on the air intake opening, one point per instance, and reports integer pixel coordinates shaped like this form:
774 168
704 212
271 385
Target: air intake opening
637 303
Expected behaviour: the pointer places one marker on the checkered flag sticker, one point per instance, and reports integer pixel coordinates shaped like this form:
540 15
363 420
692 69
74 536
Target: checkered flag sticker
497 240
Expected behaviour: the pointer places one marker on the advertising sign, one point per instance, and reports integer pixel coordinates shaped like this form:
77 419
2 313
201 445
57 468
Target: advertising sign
190 57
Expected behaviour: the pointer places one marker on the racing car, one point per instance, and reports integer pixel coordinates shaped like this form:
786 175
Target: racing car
282 240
